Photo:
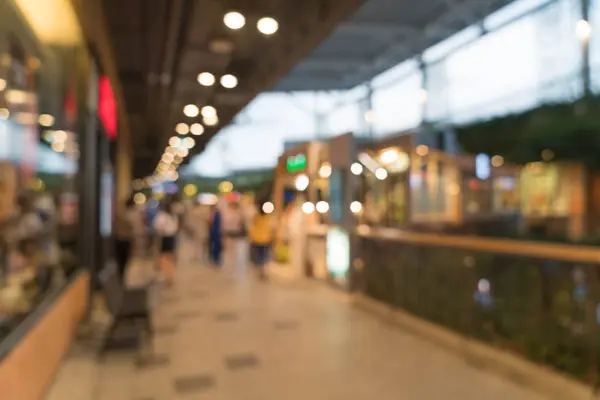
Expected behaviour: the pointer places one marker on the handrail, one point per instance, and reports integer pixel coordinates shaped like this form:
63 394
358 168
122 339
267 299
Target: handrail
555 251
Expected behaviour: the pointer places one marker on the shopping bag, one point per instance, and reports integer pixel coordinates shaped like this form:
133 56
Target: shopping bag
281 254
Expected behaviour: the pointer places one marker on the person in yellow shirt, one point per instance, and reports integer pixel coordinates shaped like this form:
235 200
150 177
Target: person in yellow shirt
261 237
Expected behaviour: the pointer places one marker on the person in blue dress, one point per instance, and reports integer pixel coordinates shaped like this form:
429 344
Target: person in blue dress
215 237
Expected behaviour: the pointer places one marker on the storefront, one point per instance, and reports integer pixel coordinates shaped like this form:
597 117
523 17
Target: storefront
47 139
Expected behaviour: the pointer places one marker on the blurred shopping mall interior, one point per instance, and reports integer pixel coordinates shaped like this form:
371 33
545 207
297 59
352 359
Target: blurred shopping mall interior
325 199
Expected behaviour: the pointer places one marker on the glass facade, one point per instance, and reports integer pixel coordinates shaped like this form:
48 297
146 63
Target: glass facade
529 55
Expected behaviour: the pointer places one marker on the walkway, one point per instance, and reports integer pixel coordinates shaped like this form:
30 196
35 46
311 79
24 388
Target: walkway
225 335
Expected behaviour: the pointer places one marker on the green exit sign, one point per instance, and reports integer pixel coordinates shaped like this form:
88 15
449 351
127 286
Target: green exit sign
296 163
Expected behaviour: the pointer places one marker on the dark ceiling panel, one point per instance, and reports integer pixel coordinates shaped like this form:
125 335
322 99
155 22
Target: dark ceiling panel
162 45
381 34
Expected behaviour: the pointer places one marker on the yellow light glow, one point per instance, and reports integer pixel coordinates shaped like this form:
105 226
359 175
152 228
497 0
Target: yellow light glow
356 207
267 26
583 30
210 121
308 207
60 136
325 171
381 173
226 187
59 147
208 112
182 128
268 207
388 156
322 207
174 141
234 20
139 199
190 190
52 21
189 143
229 81
422 150
2 84
356 168
197 129
4 113
206 79
497 161
191 110
46 120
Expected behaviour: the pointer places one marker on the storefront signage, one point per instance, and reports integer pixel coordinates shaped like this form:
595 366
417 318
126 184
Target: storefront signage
107 109
338 252
296 163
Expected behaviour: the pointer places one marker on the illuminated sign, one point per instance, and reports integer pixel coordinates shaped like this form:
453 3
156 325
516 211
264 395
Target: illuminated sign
482 166
107 109
296 163
338 252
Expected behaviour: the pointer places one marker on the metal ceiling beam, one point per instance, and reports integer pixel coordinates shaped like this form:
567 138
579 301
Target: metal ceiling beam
441 28
375 28
330 63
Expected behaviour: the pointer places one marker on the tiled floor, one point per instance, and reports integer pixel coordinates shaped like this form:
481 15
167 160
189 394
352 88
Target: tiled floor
226 335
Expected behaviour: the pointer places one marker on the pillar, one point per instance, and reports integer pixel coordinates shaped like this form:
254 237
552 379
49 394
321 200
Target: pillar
123 171
585 50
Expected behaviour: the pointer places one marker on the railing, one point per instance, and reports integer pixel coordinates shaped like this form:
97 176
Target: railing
539 300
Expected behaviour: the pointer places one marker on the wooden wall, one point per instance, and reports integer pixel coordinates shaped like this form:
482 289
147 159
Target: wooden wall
28 371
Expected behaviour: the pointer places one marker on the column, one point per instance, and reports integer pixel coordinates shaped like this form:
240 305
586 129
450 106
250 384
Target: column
123 171
584 37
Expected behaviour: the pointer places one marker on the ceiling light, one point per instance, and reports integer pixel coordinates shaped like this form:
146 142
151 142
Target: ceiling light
175 141
183 152
268 207
229 81
583 30
60 136
197 129
356 168
167 158
46 120
210 121
191 111
381 173
182 128
189 143
170 149
208 112
206 79
267 25
322 207
308 207
234 20
325 170
58 147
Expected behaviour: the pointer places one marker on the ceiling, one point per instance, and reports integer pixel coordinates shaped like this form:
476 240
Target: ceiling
380 35
162 45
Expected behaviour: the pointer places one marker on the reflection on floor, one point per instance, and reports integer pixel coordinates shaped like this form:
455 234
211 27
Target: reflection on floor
226 335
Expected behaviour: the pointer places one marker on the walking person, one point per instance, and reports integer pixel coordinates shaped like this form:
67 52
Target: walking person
261 237
166 226
215 238
124 235
233 231
198 225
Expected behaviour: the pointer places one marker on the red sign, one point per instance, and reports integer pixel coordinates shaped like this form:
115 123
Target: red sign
107 108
